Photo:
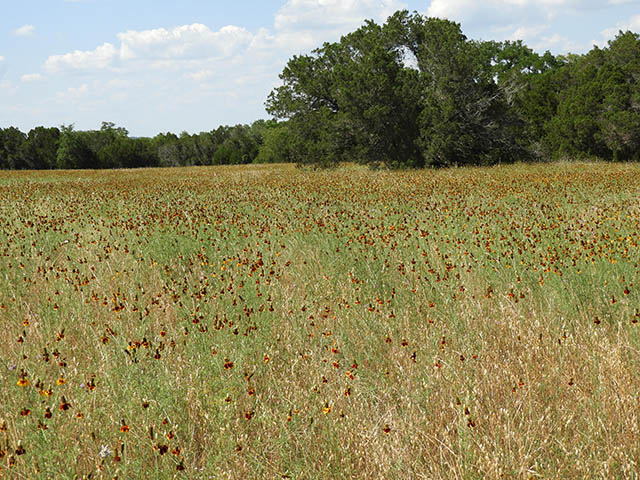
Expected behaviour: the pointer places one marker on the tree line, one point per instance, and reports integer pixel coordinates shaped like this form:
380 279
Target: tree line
112 147
413 92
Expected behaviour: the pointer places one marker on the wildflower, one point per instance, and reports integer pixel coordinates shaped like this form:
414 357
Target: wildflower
162 449
64 405
124 427
105 451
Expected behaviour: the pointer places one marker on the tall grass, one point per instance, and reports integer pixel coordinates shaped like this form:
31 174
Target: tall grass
268 322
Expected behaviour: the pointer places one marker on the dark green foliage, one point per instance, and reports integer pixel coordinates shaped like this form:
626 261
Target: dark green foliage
11 141
417 92
74 149
277 144
597 103
125 152
40 148
225 145
350 101
466 116
412 92
111 147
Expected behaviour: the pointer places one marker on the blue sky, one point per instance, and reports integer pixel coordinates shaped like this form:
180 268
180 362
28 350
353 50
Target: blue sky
158 65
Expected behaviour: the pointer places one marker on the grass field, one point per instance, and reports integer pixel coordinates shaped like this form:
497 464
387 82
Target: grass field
272 322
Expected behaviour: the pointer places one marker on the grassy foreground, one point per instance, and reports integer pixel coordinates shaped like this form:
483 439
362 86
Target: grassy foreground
268 322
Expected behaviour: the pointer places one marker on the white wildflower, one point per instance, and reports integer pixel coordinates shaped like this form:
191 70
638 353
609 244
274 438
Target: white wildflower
105 451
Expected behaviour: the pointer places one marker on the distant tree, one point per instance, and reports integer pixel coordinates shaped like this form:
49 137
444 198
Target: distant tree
226 154
624 52
40 148
598 103
243 143
412 92
620 117
112 130
125 152
11 141
74 149
206 147
167 149
276 144
189 150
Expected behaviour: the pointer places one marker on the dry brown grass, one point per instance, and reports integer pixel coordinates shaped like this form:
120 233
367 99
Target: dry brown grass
265 322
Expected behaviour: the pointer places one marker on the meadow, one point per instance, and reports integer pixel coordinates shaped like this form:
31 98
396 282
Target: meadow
276 322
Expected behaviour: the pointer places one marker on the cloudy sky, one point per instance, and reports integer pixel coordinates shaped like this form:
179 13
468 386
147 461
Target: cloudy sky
162 65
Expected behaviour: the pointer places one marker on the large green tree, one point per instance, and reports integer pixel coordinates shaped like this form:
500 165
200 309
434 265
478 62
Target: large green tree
11 141
40 148
598 103
351 100
412 92
467 92
74 150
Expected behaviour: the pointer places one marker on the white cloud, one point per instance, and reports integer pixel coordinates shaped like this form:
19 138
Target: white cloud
557 43
299 25
539 38
534 21
74 93
187 41
326 14
100 58
25 30
496 11
632 24
7 89
518 16
160 48
199 76
31 77
527 32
